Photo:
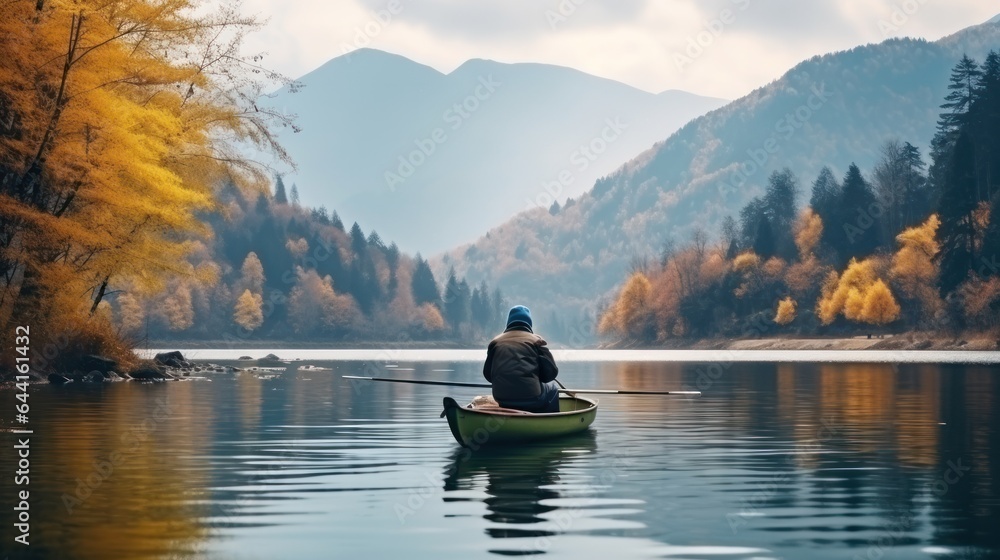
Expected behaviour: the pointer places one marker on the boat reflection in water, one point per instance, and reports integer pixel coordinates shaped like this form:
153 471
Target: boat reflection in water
524 487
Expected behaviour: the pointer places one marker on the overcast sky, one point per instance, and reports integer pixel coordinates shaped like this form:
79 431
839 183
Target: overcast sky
723 48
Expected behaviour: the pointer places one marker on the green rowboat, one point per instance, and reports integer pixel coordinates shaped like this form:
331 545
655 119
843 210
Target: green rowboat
483 422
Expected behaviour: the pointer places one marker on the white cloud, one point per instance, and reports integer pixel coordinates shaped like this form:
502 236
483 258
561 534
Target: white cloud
633 41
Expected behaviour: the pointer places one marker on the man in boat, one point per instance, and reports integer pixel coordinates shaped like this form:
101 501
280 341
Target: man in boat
521 368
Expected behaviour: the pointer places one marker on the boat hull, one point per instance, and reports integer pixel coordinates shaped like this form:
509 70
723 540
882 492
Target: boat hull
487 426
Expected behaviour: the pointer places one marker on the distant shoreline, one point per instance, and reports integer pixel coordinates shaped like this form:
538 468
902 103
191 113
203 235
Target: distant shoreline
911 341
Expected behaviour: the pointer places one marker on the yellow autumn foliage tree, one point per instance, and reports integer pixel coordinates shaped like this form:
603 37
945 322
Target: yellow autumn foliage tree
118 118
748 265
808 230
836 289
917 248
914 266
786 311
880 307
858 294
249 311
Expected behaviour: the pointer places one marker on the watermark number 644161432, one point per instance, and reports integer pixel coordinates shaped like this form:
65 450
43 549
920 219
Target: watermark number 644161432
22 342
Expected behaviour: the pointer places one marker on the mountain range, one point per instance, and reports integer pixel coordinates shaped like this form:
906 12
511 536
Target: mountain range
829 110
433 160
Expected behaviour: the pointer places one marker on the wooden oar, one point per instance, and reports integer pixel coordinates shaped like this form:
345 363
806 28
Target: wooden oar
562 390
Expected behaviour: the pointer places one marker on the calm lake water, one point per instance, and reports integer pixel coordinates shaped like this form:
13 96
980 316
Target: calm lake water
790 460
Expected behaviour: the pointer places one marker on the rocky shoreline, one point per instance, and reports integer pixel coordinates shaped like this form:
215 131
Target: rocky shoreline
166 366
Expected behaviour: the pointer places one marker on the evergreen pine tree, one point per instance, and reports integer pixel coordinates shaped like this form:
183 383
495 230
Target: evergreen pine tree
764 243
750 217
962 87
916 196
364 280
320 215
336 221
956 207
780 209
857 210
262 205
456 301
280 197
986 120
475 308
499 305
375 241
483 314
825 202
423 285
392 259
359 245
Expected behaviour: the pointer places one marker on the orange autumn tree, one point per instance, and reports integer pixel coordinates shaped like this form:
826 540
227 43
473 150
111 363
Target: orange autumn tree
117 119
630 315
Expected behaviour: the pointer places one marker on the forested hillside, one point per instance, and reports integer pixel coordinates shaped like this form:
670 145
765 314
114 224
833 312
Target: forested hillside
277 271
907 248
830 111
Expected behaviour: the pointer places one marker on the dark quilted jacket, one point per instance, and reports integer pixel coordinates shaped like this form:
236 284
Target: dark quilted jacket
517 363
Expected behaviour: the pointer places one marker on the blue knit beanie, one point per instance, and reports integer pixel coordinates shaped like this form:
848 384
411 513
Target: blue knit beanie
519 314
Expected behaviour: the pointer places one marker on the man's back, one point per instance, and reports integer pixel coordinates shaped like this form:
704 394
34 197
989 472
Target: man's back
520 366
517 363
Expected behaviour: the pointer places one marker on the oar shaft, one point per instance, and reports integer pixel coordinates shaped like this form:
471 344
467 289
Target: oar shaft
420 382
563 390
628 392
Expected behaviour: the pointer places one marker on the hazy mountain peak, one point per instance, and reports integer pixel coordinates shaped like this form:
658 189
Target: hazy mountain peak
422 156
366 60
475 63
996 19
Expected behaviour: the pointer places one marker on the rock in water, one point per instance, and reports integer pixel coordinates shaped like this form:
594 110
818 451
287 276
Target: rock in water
101 364
172 359
271 357
148 372
94 377
56 379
